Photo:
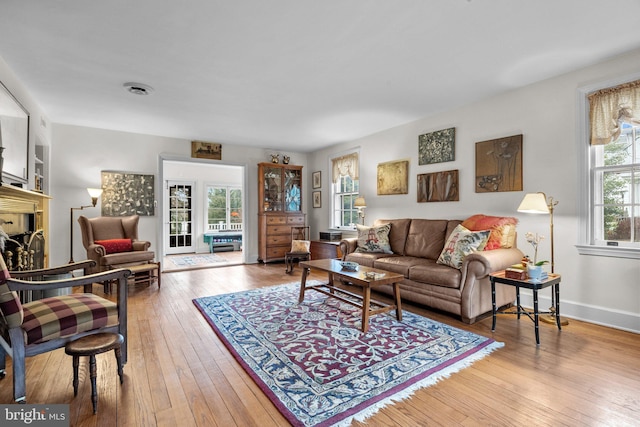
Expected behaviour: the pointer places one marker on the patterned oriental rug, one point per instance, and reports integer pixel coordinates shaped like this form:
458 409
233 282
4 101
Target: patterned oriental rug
315 364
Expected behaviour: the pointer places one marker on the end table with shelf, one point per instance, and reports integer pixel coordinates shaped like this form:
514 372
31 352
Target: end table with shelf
552 280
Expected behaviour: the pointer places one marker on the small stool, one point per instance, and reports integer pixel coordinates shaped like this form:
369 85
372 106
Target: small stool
91 345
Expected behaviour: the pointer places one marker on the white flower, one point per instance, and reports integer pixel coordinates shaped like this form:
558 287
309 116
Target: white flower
534 239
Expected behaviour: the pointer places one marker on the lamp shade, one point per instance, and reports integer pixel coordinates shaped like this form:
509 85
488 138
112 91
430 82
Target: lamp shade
359 203
534 203
94 192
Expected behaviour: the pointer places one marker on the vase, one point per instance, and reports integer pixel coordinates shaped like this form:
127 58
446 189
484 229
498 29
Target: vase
534 272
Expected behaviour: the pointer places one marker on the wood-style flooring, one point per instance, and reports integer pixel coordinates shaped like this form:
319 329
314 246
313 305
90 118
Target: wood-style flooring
180 374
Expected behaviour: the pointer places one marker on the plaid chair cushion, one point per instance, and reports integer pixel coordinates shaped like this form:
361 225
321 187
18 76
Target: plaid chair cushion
66 315
9 301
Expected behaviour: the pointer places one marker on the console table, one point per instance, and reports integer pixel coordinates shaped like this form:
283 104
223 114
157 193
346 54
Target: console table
325 249
535 286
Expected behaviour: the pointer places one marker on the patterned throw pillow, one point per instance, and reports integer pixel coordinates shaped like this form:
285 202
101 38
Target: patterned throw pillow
461 243
503 229
113 246
300 246
374 239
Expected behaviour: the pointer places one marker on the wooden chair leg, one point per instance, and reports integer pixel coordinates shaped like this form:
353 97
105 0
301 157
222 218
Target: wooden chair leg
76 364
94 389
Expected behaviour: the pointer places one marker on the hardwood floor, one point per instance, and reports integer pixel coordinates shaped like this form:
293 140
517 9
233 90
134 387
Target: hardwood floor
180 374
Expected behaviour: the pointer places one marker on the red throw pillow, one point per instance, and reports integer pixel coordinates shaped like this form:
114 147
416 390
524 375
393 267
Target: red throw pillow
113 246
503 229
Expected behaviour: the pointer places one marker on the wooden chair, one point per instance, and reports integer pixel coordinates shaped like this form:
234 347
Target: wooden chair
299 247
50 323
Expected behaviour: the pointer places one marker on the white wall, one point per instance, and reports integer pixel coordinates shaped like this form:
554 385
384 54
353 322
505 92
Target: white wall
79 154
600 289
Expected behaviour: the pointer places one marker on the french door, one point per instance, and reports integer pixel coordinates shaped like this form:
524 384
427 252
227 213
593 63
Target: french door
179 212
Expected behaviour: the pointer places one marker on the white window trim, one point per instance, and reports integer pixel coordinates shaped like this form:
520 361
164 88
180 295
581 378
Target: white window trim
585 244
332 206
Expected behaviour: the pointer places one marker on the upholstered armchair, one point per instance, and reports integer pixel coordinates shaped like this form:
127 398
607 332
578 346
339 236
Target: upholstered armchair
47 324
113 242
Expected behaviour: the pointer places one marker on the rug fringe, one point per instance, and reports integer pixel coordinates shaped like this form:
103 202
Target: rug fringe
427 382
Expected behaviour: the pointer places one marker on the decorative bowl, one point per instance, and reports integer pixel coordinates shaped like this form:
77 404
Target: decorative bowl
349 266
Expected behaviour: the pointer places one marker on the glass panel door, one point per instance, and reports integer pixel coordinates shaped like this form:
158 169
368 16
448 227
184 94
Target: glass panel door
180 226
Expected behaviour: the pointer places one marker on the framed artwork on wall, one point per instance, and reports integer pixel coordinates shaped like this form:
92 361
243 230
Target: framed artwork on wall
438 187
127 193
317 199
437 147
206 150
316 179
499 165
14 138
393 177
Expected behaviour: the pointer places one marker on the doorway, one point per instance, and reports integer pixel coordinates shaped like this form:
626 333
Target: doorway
203 215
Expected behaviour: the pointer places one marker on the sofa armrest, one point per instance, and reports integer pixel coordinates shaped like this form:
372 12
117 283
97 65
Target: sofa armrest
348 245
475 286
483 263
140 245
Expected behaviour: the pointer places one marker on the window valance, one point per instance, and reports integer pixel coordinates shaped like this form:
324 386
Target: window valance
610 107
345 166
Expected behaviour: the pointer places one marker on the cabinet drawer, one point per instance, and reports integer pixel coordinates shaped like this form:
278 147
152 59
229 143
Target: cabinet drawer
295 220
277 251
278 229
278 240
272 220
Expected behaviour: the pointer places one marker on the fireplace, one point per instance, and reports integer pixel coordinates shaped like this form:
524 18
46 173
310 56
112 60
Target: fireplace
23 218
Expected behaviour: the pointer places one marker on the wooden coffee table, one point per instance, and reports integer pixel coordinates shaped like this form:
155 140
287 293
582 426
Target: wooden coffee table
358 278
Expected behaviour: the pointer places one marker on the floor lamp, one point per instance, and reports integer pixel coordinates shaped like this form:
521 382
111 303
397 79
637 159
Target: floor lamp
538 203
94 193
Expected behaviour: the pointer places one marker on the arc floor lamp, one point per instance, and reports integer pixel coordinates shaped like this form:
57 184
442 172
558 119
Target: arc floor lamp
94 193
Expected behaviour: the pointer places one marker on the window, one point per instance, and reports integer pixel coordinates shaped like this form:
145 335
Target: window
224 208
345 189
345 192
616 199
610 212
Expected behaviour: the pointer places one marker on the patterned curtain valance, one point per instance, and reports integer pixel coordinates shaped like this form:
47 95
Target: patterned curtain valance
345 166
610 107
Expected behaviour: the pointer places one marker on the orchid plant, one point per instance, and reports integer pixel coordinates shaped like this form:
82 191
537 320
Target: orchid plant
534 239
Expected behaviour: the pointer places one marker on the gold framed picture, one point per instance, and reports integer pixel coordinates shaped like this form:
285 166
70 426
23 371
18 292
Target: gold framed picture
317 199
393 177
206 150
316 179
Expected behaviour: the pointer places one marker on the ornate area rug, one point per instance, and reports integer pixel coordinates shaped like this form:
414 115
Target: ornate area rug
315 364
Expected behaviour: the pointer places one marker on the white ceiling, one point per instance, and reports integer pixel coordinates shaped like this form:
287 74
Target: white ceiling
294 74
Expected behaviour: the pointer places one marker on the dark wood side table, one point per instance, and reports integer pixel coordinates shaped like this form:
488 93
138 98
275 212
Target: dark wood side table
535 286
325 249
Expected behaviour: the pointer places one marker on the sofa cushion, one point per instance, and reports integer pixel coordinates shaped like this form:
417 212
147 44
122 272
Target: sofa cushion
503 229
397 234
426 238
399 264
374 239
114 246
461 243
432 273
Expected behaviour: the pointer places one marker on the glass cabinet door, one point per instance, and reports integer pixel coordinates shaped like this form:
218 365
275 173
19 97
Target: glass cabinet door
273 189
292 193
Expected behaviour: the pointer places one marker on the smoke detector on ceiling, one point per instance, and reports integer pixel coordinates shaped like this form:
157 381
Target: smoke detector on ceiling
138 88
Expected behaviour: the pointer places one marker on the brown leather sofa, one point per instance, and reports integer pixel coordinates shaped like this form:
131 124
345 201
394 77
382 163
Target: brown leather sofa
416 246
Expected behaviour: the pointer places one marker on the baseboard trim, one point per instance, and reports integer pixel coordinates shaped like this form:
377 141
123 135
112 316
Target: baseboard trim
617 319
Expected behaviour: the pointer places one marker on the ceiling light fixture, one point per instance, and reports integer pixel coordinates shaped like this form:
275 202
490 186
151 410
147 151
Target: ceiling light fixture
138 88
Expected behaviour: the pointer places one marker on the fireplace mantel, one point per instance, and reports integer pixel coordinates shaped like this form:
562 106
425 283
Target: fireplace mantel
17 200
